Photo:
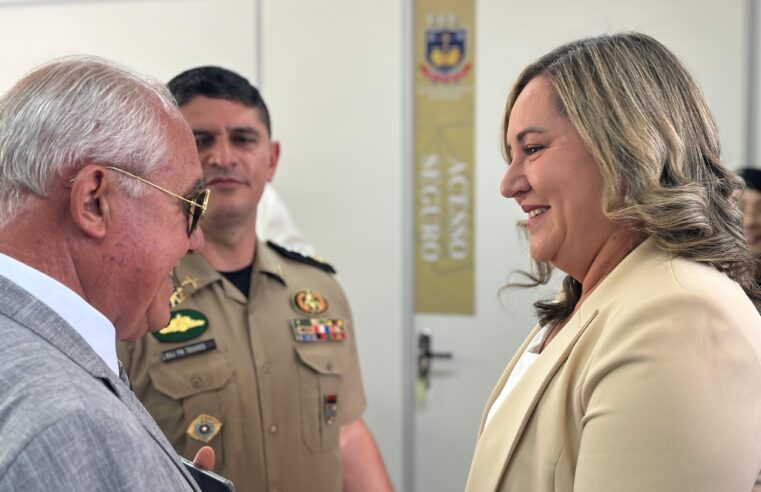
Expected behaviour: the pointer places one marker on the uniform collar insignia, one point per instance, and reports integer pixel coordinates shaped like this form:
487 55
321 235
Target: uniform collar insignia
179 295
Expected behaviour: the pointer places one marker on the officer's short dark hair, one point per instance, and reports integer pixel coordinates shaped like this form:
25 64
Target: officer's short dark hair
219 83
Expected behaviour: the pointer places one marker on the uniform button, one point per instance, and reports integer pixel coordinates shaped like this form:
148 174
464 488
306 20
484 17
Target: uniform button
329 366
273 429
266 367
196 381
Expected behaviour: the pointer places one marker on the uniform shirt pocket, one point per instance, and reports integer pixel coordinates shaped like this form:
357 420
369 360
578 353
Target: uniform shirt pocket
196 385
320 371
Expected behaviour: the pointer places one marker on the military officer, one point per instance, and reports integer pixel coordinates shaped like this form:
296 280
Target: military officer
259 360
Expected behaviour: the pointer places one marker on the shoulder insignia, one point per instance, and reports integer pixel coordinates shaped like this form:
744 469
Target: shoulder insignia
293 255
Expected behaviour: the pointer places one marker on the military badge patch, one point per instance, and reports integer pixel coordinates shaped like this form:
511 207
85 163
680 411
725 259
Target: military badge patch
330 408
310 302
185 324
204 428
318 330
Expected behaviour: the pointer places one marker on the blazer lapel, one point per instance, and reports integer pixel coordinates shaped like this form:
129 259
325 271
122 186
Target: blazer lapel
125 394
497 441
503 378
25 309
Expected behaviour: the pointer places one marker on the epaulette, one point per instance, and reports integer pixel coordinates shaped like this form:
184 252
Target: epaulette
293 255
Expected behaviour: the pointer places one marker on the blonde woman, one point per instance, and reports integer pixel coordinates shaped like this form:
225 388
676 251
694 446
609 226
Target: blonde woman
644 373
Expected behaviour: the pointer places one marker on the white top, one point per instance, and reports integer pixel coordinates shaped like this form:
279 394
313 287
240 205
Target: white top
524 362
91 325
274 222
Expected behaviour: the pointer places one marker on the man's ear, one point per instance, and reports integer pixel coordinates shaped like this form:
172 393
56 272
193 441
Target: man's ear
274 159
89 202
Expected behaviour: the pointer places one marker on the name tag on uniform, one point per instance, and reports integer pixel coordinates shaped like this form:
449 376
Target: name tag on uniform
188 350
318 330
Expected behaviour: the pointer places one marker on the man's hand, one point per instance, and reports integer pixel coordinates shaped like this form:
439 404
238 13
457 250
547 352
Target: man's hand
205 458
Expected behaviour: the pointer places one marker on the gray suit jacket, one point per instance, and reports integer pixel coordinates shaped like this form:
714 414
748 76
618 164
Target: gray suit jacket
67 422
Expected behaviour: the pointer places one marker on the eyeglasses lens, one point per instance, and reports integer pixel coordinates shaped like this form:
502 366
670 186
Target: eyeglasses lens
197 209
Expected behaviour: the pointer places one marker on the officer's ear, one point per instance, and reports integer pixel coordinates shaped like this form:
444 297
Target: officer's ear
91 192
274 159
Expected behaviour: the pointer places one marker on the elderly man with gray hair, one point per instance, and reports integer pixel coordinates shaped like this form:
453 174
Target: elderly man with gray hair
100 196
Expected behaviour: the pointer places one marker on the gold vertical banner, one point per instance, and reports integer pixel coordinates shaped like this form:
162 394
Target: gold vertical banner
444 169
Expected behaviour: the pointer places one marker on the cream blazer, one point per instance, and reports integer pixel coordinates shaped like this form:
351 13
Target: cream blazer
654 385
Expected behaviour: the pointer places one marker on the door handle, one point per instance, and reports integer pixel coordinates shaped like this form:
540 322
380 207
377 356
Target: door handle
424 355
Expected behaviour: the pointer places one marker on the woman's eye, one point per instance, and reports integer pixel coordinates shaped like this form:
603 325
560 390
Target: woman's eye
532 149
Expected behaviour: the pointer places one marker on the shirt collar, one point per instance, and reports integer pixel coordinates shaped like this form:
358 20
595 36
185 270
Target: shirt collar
196 273
270 262
88 322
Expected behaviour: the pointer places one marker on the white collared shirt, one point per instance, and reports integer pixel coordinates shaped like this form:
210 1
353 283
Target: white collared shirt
90 323
525 361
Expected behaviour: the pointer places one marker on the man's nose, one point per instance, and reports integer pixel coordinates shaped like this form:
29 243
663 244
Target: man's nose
220 154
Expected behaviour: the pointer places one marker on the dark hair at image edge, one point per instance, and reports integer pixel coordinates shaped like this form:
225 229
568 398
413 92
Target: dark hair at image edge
218 83
645 121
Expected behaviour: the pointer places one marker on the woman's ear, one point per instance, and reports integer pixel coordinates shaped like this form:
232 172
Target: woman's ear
90 194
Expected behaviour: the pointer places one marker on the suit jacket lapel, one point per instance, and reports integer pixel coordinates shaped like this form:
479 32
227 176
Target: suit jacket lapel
125 394
503 378
497 441
25 309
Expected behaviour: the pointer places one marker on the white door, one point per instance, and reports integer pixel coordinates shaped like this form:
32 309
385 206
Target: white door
509 36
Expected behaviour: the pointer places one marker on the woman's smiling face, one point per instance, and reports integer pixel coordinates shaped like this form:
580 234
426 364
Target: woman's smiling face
555 180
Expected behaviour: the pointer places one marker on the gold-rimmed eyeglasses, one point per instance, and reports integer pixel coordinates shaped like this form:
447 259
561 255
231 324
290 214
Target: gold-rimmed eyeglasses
195 207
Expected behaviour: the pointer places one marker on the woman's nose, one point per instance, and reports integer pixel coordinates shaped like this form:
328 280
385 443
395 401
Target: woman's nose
514 181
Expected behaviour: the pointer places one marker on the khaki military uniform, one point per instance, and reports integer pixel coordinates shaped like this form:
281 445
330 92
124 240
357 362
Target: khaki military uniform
268 382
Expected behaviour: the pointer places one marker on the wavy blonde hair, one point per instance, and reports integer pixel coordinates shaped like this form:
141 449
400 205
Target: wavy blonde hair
645 121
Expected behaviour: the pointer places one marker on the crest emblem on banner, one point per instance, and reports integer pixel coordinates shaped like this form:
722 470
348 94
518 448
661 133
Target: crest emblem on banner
446 50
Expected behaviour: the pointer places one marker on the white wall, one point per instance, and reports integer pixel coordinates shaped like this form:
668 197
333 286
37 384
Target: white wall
160 37
332 76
